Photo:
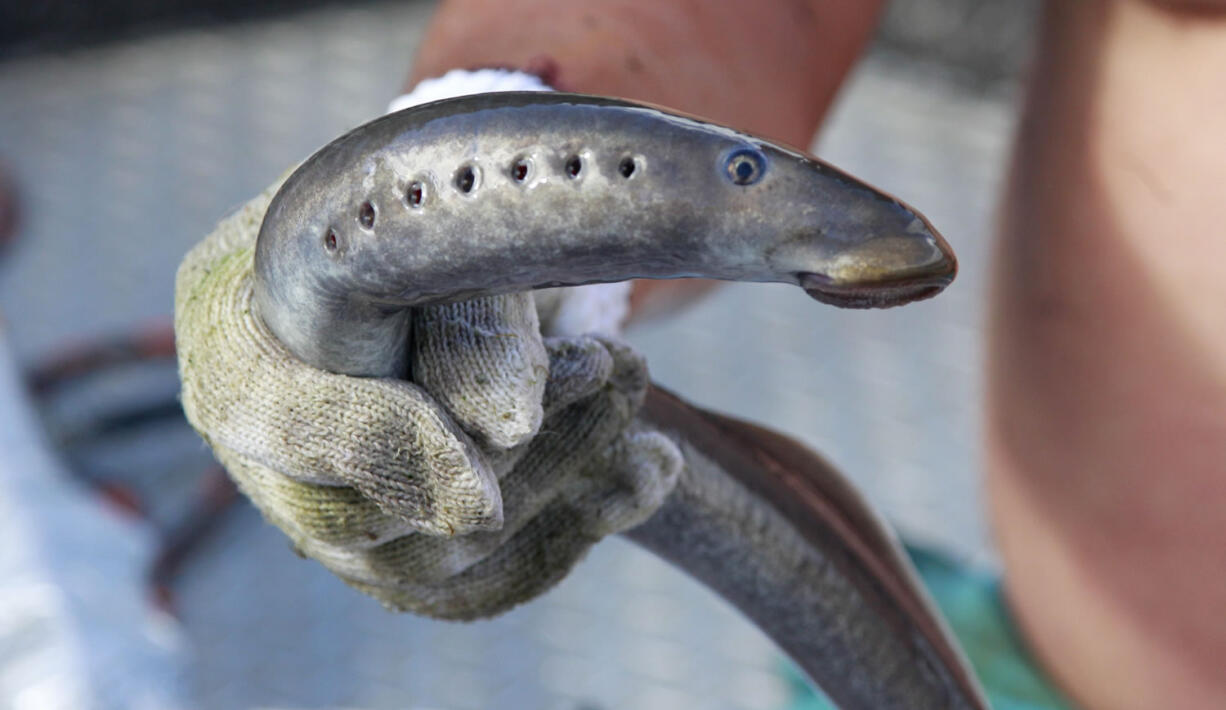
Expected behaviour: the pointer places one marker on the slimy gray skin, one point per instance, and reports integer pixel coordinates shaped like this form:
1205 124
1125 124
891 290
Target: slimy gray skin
504 192
784 537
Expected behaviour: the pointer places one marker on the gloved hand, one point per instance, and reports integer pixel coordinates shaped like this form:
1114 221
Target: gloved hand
458 495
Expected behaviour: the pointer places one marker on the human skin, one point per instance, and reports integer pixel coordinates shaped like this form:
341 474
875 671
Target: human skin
1106 450
1106 436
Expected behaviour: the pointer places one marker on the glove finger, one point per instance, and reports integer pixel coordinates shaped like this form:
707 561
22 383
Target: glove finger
338 516
578 368
629 376
531 562
484 361
626 485
562 451
386 438
544 470
644 465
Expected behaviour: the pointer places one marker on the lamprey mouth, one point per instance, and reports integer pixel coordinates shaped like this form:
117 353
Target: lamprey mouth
873 294
884 272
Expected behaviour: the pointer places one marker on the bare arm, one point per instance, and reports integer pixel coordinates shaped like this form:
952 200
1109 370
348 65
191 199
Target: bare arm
1107 390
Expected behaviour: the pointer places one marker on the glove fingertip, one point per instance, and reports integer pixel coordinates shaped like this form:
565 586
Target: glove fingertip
484 515
484 361
516 425
413 461
458 503
578 368
647 465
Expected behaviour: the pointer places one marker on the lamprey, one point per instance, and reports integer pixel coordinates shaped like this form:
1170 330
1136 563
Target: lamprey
506 192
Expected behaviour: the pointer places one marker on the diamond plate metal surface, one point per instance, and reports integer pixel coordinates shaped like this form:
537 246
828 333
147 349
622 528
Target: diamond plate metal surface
128 154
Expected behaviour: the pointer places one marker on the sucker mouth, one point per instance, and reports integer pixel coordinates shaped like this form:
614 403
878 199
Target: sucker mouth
884 272
872 294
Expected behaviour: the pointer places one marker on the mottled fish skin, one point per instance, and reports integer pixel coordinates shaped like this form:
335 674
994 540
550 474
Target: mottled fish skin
389 216
506 192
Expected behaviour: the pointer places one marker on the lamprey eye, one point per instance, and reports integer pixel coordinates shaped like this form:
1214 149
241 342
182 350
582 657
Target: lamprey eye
627 167
745 166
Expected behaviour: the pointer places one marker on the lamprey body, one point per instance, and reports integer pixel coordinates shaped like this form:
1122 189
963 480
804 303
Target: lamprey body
505 192
782 535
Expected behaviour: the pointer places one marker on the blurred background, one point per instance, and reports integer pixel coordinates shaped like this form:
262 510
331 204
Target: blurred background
129 127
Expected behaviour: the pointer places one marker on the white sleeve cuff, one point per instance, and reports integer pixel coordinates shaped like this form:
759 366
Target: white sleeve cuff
462 82
595 308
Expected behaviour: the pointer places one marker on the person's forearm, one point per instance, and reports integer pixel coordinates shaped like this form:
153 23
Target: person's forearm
771 68
1107 374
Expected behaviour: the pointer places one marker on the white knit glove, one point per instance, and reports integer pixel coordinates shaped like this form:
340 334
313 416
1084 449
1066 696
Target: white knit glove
436 496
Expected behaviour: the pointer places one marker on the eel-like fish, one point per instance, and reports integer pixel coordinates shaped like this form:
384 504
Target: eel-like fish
505 192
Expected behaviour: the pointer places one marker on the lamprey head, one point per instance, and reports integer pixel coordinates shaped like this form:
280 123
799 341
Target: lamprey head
849 244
